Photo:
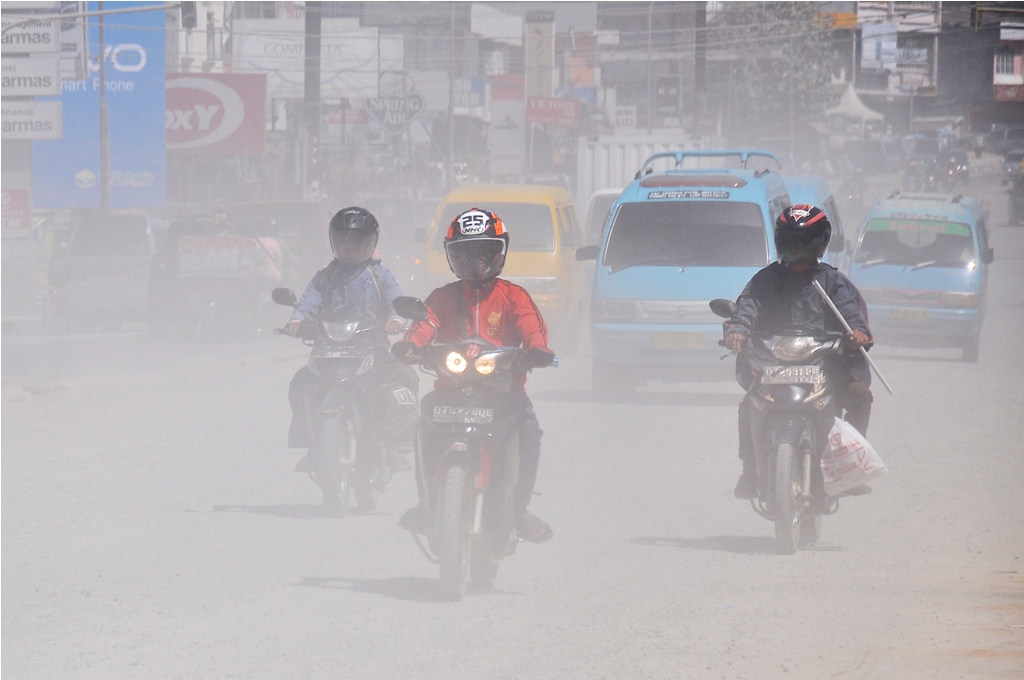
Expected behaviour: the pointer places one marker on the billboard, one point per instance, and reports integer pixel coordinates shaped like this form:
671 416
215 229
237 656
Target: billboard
351 57
216 114
66 172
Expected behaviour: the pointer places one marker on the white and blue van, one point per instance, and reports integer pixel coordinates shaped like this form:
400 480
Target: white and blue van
921 263
676 239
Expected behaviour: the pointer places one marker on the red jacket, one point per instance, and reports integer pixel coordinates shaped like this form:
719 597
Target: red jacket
501 313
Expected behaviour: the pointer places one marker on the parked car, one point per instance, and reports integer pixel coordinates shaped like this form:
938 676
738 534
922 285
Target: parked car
100 278
921 263
301 225
1013 165
1003 138
678 239
1016 198
875 156
545 233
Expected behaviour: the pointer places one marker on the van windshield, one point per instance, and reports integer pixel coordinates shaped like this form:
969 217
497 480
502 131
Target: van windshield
110 236
916 243
529 224
690 233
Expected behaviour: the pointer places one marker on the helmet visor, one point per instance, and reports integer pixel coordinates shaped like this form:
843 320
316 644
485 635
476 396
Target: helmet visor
799 245
476 259
353 246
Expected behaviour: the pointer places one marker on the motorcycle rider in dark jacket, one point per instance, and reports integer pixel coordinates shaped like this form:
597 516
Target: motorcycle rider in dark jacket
356 281
482 305
783 294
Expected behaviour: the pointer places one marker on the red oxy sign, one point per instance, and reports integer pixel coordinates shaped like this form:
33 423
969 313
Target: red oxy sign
545 111
218 114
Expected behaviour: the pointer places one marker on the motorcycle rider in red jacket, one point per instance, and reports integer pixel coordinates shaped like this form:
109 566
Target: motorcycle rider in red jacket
481 305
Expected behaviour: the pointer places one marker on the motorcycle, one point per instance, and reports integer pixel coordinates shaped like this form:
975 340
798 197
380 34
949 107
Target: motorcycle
471 433
792 410
352 408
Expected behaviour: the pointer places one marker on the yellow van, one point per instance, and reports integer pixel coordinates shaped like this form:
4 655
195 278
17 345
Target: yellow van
544 232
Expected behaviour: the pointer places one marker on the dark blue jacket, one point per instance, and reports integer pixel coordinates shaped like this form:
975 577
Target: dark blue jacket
778 296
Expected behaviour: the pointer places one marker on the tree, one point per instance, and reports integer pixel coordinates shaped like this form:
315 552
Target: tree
784 59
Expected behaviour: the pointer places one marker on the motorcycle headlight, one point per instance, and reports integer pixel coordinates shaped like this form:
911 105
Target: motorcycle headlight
485 364
788 348
340 331
455 362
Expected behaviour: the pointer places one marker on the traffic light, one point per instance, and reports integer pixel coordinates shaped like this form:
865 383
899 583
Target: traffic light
189 16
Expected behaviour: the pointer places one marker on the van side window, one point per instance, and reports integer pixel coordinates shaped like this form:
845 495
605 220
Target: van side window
776 206
833 215
568 227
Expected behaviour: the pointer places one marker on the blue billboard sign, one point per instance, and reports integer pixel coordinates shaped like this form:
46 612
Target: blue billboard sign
66 172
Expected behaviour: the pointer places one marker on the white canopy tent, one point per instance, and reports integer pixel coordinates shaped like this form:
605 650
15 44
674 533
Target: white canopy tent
852 110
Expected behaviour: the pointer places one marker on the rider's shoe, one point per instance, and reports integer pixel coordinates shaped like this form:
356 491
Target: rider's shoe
532 528
746 487
398 462
415 520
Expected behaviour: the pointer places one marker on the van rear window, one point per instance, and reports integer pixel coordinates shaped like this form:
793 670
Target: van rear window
687 234
529 225
921 243
110 236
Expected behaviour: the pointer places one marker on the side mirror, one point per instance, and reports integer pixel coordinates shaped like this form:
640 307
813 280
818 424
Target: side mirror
587 253
723 308
284 296
988 255
410 308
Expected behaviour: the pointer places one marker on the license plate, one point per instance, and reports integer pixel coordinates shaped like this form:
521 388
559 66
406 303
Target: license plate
473 415
340 354
792 375
909 314
679 340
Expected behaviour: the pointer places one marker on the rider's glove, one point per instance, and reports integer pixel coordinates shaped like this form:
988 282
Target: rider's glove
403 350
539 358
734 341
855 340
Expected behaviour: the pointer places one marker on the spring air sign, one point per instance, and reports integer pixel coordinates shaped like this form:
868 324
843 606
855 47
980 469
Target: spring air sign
66 172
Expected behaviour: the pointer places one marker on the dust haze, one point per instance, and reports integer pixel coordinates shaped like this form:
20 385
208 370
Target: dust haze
154 526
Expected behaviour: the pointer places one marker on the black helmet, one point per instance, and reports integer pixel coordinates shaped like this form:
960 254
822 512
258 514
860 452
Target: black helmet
802 233
353 234
476 245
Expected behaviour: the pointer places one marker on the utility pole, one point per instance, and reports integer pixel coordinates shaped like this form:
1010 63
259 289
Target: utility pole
449 176
311 98
104 123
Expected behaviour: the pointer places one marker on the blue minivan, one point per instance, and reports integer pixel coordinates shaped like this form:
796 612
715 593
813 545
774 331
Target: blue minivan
674 240
921 263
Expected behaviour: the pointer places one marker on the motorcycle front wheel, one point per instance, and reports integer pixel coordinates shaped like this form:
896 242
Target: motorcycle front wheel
371 476
786 508
337 447
454 532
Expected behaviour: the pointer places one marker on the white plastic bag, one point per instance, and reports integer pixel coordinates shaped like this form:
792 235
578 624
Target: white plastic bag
849 459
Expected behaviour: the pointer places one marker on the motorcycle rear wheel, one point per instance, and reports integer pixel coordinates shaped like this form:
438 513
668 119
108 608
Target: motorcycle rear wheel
337 447
454 532
786 504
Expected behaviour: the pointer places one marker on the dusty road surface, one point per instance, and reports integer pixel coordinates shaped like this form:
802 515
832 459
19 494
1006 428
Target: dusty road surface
153 528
